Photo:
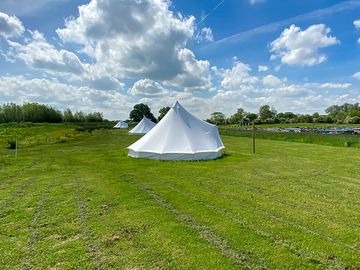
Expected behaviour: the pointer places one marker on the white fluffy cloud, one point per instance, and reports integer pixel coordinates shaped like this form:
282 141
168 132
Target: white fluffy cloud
148 89
272 81
39 54
262 68
138 39
10 26
238 77
297 47
195 75
356 75
50 91
206 35
242 89
143 41
357 26
336 85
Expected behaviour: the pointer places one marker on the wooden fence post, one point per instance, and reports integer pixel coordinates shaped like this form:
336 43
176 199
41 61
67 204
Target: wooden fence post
253 137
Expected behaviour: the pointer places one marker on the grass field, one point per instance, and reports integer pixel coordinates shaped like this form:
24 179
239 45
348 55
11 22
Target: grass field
341 140
293 125
83 204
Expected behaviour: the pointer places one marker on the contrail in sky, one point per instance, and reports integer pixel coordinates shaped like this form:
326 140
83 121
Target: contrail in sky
207 15
272 27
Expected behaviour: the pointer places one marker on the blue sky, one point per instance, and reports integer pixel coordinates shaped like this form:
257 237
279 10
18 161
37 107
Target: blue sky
108 55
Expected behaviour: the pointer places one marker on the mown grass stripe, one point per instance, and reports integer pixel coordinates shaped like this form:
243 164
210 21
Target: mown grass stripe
227 213
242 258
33 233
82 208
268 213
19 191
17 216
281 205
6 177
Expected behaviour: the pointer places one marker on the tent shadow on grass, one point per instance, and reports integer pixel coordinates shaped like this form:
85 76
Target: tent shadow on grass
222 157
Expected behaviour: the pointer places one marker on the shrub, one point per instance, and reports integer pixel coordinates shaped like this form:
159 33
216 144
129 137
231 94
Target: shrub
80 129
12 144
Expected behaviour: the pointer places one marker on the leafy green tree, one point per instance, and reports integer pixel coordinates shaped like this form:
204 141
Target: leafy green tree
68 116
41 113
352 120
251 116
79 117
238 117
287 115
10 113
162 112
305 118
94 117
139 111
29 112
218 118
265 112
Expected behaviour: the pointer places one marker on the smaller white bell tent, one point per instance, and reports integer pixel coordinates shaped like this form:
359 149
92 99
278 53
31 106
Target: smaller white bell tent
179 136
121 124
143 127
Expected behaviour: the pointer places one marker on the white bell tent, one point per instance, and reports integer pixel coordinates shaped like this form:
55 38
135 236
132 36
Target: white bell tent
121 124
143 127
179 136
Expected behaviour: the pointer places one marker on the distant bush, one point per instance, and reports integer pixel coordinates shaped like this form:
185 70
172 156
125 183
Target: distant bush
347 144
63 139
352 120
80 129
90 126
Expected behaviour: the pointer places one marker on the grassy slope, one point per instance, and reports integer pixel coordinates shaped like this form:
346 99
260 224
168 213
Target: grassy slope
85 204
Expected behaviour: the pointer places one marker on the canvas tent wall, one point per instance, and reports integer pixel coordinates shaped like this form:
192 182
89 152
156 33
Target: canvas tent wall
121 124
179 136
143 127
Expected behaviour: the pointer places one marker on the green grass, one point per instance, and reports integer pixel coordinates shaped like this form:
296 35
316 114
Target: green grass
342 140
30 134
84 204
293 125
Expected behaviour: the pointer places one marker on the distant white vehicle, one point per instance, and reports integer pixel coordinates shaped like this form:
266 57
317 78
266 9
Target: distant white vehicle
143 127
121 124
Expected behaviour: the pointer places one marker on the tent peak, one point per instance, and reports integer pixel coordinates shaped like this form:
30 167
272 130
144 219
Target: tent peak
143 127
176 105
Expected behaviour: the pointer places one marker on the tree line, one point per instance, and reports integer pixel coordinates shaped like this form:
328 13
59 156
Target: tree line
335 114
40 113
